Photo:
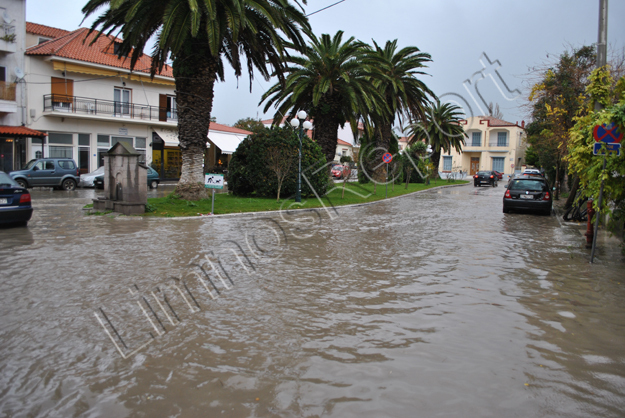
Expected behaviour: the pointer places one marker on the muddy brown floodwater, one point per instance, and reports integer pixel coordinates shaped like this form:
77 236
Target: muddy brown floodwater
435 304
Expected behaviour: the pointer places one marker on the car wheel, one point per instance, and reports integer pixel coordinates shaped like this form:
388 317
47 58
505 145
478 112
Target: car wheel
22 183
153 184
68 184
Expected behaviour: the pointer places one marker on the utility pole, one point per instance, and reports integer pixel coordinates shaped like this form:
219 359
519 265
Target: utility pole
602 58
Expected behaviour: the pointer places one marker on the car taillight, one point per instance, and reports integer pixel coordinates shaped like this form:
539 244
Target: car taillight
491 177
546 197
25 198
475 176
507 195
78 172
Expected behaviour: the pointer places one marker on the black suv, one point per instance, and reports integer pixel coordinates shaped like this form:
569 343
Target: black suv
60 173
528 192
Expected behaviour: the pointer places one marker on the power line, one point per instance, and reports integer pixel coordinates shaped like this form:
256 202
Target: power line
325 8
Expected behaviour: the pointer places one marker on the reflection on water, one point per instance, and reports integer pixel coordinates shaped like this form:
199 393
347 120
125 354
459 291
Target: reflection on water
436 303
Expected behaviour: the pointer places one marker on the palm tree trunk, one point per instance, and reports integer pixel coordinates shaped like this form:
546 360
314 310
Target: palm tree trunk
326 136
435 158
195 79
382 143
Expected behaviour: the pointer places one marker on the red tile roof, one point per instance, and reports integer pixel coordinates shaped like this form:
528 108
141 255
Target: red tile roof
218 127
20 131
341 142
76 45
43 30
492 121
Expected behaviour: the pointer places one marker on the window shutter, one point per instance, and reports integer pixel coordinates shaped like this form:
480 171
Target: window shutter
62 90
162 107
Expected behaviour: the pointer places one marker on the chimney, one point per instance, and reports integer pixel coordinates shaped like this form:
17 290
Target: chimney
523 124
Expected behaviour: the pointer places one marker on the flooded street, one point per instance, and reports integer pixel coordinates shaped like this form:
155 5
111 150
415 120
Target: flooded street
434 304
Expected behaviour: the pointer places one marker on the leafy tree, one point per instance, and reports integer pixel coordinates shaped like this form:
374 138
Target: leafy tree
412 156
345 159
331 82
442 130
281 161
249 171
201 37
582 162
249 124
555 100
531 157
405 95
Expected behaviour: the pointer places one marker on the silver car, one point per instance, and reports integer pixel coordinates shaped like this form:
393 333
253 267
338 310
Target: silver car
86 180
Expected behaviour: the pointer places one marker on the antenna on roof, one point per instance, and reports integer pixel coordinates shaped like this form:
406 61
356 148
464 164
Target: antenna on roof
5 16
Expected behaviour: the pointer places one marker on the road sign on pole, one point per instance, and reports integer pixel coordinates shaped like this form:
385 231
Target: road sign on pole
610 147
387 158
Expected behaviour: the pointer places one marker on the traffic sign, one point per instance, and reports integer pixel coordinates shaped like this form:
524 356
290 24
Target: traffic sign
387 158
607 133
609 148
214 181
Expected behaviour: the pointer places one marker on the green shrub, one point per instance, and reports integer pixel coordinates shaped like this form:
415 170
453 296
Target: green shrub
249 172
346 159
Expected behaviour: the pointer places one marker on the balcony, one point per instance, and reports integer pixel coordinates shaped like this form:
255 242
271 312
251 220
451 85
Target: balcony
496 144
7 91
86 107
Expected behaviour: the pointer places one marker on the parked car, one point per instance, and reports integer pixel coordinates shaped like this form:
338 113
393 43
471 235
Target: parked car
86 180
532 171
60 173
499 175
340 171
153 179
15 204
528 192
485 177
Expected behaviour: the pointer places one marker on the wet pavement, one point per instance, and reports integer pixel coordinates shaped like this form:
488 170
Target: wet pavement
434 304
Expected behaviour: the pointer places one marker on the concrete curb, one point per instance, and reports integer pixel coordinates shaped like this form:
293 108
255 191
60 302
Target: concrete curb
253 214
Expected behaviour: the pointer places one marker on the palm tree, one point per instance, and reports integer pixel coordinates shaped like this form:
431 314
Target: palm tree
442 130
331 83
200 37
404 94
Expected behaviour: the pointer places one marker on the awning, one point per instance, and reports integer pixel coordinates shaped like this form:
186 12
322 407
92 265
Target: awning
21 131
169 136
226 142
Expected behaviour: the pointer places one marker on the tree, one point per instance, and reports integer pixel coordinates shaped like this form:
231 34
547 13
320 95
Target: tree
331 82
404 94
588 167
281 161
412 156
555 100
201 37
249 124
442 130
494 111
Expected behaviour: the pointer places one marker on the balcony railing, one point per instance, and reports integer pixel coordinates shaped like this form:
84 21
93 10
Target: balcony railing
97 107
7 91
498 143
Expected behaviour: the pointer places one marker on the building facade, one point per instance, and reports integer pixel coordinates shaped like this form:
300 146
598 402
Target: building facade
86 99
492 144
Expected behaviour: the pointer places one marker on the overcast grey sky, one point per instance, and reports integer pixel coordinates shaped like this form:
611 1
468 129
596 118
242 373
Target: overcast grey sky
520 34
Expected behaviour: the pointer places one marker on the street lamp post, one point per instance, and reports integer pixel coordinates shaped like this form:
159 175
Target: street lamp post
301 122
428 152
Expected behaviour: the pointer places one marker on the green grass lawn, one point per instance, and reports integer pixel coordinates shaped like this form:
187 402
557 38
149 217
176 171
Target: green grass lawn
171 206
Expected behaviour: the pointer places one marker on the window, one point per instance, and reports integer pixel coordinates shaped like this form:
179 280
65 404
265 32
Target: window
502 139
476 139
104 140
498 163
42 40
61 152
168 109
84 139
49 165
62 91
122 100
58 138
116 139
447 163
67 165
140 143
3 74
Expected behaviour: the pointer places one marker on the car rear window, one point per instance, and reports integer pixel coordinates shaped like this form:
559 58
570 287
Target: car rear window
531 185
483 173
67 165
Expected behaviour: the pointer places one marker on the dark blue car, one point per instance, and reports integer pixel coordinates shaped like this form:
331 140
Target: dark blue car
15 206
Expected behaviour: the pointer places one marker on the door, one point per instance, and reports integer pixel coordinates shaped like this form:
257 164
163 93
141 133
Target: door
122 102
83 160
43 174
475 165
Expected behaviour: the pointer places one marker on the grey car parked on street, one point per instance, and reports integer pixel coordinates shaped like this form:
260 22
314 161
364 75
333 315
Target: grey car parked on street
60 173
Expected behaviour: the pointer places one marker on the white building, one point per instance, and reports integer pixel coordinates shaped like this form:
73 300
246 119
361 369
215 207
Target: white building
86 99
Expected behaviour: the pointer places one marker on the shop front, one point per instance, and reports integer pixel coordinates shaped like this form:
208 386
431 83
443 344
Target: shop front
13 141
